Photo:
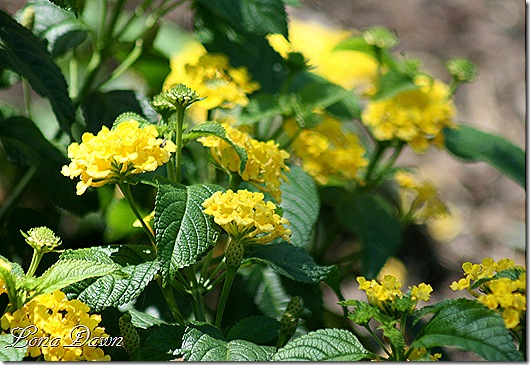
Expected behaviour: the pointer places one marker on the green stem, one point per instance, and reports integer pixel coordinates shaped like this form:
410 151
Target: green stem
231 272
126 190
389 164
35 260
196 293
376 156
172 304
17 193
74 74
178 142
235 180
379 342
27 97
127 63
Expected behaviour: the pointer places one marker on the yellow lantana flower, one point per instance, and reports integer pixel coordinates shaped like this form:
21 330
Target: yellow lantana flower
53 316
503 294
265 166
246 217
114 155
211 76
416 117
327 151
316 42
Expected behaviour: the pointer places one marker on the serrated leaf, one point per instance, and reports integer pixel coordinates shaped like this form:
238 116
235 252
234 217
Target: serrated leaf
470 326
66 272
143 320
161 342
24 53
183 232
512 274
290 261
10 351
473 145
257 329
25 145
300 204
70 5
112 291
57 26
330 344
215 129
200 346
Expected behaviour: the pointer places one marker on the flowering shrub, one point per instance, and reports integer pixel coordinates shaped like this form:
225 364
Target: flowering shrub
218 209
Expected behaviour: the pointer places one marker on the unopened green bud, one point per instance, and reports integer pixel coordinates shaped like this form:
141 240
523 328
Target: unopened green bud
380 37
290 317
461 69
131 339
179 96
42 239
234 253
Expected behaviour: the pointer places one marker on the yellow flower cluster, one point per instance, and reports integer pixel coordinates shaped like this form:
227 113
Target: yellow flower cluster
246 217
317 43
419 354
327 151
420 197
416 117
53 323
384 293
265 164
114 155
212 77
503 294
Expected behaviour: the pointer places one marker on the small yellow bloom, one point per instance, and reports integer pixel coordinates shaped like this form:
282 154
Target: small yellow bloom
266 161
460 284
246 217
416 117
114 155
421 292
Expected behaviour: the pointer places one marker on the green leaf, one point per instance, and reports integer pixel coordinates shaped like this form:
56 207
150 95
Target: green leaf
358 44
183 232
70 5
290 261
470 326
217 130
66 272
370 218
392 83
330 344
25 145
10 351
24 53
161 341
143 320
300 204
512 274
58 27
260 107
473 145
112 291
257 329
200 346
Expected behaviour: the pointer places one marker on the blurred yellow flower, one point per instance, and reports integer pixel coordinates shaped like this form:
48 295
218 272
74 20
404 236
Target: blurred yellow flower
6 266
211 76
416 117
114 155
53 316
317 42
328 152
246 217
265 164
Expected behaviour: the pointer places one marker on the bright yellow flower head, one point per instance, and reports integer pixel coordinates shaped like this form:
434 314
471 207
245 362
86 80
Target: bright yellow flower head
416 117
246 217
503 294
317 42
327 151
54 316
212 77
114 155
265 164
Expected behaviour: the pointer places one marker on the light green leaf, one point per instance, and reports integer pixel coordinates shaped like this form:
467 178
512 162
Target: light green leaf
70 5
470 326
183 232
290 261
24 53
393 83
330 344
217 130
66 272
143 320
300 204
473 145
10 351
257 329
358 44
200 346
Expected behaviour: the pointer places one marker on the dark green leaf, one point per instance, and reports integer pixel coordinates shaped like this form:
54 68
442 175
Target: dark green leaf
330 344
160 342
258 329
473 145
260 107
183 232
512 274
288 260
25 145
300 204
470 326
24 53
9 351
